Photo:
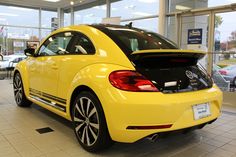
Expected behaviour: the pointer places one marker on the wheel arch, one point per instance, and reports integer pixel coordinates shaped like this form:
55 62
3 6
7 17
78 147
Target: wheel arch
78 90
22 70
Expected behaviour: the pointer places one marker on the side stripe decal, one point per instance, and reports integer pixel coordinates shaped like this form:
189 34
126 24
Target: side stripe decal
37 95
63 101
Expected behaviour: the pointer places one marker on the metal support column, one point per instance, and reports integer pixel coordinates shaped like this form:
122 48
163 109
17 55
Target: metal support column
40 24
211 40
60 16
162 17
178 24
72 17
108 3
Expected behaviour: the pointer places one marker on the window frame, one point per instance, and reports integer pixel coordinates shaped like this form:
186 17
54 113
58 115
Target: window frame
76 34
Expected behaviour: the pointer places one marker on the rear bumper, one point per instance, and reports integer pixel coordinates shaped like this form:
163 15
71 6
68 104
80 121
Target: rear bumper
180 131
123 109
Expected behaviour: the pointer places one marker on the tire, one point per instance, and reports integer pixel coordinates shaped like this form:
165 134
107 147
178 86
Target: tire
19 93
89 123
234 82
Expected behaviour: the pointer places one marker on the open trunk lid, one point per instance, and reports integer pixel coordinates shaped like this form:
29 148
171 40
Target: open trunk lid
173 70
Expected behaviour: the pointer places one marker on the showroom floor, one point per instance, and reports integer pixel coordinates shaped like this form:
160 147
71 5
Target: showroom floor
18 135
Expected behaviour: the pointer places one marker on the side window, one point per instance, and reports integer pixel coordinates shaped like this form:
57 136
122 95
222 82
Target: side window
82 45
56 44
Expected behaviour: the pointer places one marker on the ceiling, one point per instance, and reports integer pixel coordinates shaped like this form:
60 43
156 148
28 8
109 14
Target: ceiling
45 4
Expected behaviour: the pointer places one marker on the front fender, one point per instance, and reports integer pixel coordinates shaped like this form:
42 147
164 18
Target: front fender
22 69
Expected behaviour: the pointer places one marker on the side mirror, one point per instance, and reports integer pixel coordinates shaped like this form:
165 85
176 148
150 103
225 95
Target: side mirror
29 52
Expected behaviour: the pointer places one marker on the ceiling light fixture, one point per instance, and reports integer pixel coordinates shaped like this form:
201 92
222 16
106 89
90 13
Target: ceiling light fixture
181 7
2 19
18 8
8 14
52 0
72 2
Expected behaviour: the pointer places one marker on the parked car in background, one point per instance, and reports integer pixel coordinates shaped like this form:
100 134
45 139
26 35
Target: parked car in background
219 79
11 61
1 74
229 74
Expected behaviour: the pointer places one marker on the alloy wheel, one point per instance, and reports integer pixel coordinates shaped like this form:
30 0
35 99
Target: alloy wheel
86 121
18 92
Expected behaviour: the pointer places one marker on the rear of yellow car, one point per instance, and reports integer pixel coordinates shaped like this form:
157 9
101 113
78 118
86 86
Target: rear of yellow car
133 116
137 84
167 91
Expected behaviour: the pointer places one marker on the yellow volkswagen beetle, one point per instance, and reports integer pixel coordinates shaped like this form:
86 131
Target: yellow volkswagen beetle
117 83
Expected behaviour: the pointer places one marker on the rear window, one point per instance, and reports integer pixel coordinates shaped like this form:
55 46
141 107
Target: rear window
130 40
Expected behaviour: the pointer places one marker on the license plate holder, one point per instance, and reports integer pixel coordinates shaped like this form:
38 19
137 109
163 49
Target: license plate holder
201 111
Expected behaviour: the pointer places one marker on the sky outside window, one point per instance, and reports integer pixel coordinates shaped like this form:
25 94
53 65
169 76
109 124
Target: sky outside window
19 16
134 8
91 15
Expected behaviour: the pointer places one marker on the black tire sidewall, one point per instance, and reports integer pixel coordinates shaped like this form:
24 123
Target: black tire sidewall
24 101
234 82
103 139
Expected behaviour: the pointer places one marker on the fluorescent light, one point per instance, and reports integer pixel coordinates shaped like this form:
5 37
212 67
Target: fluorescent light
130 7
100 7
114 9
52 0
89 15
96 7
18 8
181 7
8 14
141 13
232 1
148 1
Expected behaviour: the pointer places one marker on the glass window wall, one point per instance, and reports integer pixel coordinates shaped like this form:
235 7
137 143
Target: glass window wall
150 24
176 5
90 15
19 25
67 19
13 39
46 18
134 8
19 16
224 54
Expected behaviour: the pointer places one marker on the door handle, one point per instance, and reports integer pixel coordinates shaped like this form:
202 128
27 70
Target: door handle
32 69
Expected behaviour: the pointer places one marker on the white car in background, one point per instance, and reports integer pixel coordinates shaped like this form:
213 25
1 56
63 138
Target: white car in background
11 61
229 74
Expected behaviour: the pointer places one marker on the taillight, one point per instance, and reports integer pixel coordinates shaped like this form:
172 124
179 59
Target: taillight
131 81
223 72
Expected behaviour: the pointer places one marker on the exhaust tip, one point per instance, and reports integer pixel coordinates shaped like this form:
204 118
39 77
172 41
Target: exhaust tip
153 137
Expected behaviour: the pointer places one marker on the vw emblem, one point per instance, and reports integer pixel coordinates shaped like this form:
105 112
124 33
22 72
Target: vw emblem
189 74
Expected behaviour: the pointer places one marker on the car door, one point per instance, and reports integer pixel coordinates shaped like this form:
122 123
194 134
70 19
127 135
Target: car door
80 54
47 65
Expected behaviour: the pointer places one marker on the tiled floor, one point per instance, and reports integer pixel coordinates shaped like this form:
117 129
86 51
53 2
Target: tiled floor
18 136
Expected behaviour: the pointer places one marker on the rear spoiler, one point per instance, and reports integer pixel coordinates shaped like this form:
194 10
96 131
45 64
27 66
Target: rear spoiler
152 51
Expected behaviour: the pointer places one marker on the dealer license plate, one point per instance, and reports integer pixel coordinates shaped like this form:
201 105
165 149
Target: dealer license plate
201 110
